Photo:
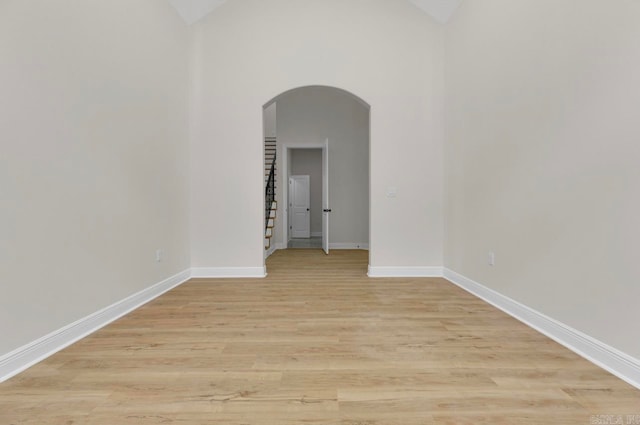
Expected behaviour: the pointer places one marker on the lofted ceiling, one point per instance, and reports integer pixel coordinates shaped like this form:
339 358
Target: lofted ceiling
440 10
194 10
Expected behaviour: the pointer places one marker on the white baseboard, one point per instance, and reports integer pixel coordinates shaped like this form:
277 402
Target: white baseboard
228 272
316 234
268 252
405 271
618 363
274 248
26 356
350 245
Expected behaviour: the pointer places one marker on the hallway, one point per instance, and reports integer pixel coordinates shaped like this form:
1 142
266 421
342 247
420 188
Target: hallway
312 243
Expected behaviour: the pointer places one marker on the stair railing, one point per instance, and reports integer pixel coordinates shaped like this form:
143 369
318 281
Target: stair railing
270 192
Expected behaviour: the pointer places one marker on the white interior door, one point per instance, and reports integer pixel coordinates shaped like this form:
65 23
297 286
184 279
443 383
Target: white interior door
299 206
325 197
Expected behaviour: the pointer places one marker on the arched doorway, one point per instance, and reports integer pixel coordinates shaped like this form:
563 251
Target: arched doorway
336 123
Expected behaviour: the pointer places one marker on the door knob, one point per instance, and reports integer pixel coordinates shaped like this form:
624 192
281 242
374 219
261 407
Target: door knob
307 209
326 210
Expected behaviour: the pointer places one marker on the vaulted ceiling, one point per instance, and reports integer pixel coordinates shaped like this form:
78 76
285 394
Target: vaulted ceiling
194 10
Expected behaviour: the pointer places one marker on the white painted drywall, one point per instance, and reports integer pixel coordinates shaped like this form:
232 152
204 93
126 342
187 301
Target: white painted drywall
270 120
94 158
543 158
308 162
309 116
382 51
194 10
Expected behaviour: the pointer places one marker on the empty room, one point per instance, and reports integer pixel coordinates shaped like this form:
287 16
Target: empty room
350 212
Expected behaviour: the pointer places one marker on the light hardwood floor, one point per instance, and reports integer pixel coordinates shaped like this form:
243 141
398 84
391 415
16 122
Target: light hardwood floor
316 342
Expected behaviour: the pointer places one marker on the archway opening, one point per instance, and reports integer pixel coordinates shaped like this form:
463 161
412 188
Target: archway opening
317 170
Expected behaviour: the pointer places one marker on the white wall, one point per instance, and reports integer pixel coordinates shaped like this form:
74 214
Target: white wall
543 158
308 162
388 53
270 120
94 157
310 115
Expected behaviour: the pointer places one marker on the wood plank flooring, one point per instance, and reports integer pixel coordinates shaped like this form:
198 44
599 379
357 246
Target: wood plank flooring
316 342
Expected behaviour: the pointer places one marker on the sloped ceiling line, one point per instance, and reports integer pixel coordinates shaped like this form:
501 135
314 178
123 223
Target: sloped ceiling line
440 10
194 10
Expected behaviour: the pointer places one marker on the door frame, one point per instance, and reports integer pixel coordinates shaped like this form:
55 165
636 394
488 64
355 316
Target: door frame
285 178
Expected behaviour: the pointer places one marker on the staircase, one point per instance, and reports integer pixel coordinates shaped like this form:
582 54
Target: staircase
271 205
269 156
268 233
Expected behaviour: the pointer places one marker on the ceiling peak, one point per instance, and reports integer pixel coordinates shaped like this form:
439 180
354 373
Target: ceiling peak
194 10
440 10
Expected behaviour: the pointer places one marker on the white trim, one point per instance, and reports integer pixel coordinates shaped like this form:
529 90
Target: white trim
405 271
268 252
316 234
281 245
616 362
26 356
350 245
228 272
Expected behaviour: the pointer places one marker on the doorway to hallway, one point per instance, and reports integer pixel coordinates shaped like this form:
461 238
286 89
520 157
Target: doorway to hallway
305 201
327 122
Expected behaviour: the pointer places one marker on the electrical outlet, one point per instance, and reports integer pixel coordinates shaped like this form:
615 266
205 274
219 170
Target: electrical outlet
492 258
159 255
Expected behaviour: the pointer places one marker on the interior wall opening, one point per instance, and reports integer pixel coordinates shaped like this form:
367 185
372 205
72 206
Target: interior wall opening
305 207
322 133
